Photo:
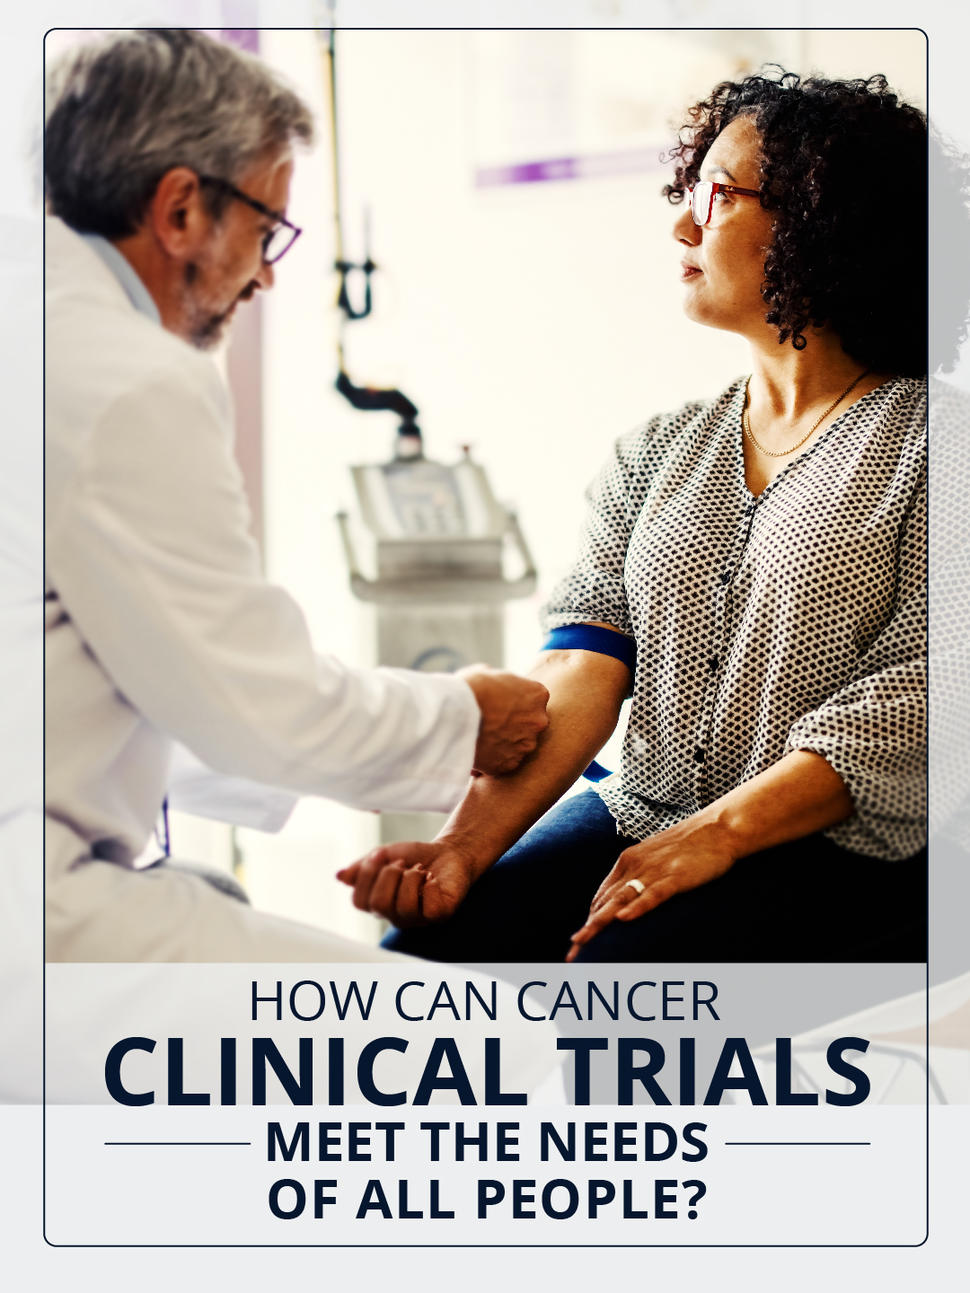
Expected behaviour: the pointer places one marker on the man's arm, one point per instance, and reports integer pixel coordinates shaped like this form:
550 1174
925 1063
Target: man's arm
149 550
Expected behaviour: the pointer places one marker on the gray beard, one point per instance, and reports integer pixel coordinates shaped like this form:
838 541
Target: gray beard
204 331
207 334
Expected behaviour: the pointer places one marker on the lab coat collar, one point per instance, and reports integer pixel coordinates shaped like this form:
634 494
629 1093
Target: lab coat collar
124 272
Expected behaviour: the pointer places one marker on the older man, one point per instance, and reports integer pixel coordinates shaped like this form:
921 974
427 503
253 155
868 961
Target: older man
168 159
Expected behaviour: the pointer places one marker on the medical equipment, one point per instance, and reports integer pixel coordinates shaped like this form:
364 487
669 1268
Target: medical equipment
438 537
436 532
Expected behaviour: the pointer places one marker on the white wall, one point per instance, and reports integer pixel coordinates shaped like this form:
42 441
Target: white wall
536 322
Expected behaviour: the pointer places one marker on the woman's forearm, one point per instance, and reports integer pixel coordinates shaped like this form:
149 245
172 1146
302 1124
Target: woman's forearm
800 794
586 691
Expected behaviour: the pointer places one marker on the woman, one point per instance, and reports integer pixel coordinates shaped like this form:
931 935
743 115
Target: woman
753 572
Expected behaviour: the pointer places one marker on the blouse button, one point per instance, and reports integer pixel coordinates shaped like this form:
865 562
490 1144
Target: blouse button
698 755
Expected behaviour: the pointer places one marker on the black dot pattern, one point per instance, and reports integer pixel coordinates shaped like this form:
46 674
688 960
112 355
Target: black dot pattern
794 620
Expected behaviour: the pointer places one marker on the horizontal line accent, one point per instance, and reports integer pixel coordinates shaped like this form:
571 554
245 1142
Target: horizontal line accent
178 1142
798 1142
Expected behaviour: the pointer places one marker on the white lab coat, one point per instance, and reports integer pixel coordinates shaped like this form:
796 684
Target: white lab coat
160 628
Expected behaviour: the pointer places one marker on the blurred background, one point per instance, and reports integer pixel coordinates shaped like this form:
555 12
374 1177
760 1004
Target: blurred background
526 299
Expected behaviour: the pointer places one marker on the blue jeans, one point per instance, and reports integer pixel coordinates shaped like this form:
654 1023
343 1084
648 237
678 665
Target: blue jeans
805 901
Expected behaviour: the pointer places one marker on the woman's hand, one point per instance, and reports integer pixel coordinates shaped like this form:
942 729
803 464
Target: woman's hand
796 796
683 857
411 883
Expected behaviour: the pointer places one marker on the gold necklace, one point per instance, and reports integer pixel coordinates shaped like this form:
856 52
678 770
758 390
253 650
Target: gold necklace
783 453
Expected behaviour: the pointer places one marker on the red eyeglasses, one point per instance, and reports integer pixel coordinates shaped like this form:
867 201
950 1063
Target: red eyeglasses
702 197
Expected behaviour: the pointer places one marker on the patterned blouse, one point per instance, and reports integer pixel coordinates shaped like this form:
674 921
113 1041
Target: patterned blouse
795 620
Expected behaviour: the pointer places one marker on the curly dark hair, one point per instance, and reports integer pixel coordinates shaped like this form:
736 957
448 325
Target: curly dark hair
844 174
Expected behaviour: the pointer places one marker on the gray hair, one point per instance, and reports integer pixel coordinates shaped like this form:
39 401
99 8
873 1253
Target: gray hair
123 111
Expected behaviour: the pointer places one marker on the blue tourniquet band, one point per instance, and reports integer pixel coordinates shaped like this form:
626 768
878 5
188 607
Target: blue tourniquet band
590 637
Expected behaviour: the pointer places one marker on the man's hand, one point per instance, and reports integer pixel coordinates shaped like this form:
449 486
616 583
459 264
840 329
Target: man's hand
411 883
513 717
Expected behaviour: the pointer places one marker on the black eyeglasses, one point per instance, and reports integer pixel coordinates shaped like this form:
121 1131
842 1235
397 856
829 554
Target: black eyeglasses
280 239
